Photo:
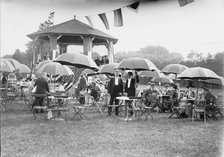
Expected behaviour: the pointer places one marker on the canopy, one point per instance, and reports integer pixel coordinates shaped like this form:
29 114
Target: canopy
71 32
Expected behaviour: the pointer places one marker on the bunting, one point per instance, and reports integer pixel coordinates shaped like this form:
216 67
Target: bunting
48 23
185 2
118 19
103 17
89 19
134 6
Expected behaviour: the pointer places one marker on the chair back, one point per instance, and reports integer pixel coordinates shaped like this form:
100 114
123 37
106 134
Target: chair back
153 97
219 101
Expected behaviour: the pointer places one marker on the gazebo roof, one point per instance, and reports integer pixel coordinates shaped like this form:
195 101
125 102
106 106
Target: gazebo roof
72 32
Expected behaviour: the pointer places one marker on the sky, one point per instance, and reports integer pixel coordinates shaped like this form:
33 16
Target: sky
197 26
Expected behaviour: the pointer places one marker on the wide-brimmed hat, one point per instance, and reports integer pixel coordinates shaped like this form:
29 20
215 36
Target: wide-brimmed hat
130 73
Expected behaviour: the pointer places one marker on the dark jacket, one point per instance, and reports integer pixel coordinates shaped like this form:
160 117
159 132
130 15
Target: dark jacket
82 83
111 86
42 86
209 98
132 89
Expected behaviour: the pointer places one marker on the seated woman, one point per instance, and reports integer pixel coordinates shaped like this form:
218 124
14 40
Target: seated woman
150 96
210 100
95 91
190 93
175 96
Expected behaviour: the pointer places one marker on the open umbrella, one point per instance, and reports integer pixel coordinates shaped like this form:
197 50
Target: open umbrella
6 66
174 69
22 68
89 72
136 63
14 62
41 64
198 73
108 68
78 60
219 81
55 68
155 73
162 79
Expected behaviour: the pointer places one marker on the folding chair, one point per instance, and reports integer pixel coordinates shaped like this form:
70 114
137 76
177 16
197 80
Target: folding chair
199 108
37 106
105 101
80 110
219 107
11 95
154 101
177 109
141 109
113 106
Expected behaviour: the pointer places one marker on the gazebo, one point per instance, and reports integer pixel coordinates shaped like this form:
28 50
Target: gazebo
74 32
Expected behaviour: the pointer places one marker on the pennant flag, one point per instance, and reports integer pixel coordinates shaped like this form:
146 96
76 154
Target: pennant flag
50 22
134 6
118 19
89 19
42 26
104 19
51 15
185 2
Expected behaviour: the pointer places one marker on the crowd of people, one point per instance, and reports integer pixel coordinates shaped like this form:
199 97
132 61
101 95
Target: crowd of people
122 84
102 61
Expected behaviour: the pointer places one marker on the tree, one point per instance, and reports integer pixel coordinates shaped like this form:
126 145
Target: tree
17 56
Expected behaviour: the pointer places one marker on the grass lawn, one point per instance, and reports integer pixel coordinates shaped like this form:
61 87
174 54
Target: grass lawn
21 135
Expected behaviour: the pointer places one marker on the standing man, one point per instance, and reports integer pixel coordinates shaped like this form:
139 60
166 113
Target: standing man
130 89
115 88
42 87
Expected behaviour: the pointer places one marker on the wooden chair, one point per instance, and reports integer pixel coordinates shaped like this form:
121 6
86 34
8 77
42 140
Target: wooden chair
36 106
154 101
199 108
219 107
141 110
80 109
177 110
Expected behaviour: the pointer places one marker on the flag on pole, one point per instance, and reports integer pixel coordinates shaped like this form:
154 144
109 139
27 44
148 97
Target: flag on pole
134 6
89 19
118 19
185 2
103 17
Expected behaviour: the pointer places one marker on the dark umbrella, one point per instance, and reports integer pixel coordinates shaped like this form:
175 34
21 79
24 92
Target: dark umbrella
108 68
136 63
198 73
219 82
155 73
162 79
174 69
76 59
89 72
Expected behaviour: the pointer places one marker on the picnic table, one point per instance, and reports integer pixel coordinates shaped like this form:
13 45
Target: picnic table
59 105
126 98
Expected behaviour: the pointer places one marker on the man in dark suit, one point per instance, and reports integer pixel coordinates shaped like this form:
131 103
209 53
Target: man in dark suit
130 89
115 88
42 87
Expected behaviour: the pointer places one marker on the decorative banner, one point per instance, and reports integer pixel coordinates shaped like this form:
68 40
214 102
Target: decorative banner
185 2
118 19
89 19
51 15
104 19
134 6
